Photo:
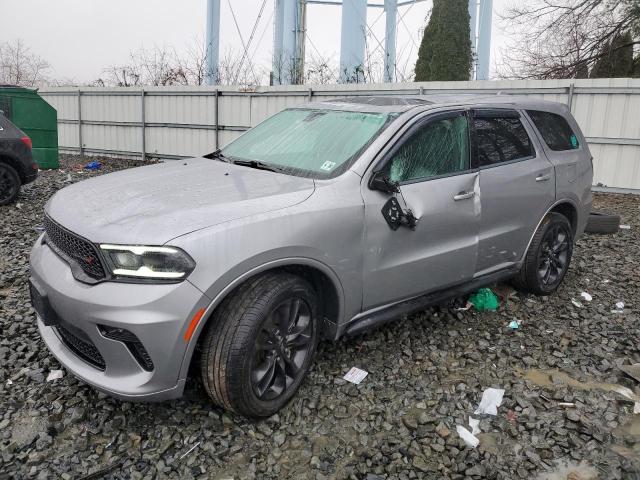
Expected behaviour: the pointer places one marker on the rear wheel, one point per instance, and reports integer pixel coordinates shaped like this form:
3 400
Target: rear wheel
548 257
260 344
9 184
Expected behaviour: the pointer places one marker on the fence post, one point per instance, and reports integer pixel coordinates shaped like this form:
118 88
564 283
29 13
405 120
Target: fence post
80 122
572 86
143 125
310 94
216 117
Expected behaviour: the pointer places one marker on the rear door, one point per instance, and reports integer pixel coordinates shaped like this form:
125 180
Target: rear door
432 164
517 185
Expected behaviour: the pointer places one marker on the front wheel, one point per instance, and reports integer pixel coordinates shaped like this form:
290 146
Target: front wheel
548 256
260 344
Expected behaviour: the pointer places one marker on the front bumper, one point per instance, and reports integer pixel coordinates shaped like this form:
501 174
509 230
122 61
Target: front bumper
158 315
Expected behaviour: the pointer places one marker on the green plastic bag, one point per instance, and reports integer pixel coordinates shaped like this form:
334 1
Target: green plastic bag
484 299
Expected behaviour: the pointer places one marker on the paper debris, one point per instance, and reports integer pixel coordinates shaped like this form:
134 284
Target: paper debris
9 382
586 296
576 303
620 305
632 370
54 375
625 227
491 400
514 324
469 438
355 375
475 425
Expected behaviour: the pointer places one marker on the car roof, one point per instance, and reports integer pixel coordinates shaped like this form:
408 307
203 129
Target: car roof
394 103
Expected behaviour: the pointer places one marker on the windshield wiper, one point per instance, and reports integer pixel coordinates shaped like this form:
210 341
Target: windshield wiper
257 164
218 155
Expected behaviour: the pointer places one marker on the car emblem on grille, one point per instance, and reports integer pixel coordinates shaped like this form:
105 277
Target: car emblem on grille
89 260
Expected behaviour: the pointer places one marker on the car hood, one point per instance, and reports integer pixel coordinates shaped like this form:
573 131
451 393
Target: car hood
155 203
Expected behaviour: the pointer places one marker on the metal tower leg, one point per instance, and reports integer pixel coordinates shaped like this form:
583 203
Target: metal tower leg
213 42
391 11
352 42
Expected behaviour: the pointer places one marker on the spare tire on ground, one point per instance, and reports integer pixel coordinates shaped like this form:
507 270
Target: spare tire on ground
600 222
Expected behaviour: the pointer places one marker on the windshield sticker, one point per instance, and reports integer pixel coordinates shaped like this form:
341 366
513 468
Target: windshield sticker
328 166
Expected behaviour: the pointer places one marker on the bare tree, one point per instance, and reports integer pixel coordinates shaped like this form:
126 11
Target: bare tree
552 39
19 66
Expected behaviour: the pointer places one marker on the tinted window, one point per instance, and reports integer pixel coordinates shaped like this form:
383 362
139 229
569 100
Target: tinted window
438 148
555 130
501 139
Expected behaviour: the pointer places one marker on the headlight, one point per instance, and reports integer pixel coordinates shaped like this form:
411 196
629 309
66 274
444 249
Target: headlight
153 263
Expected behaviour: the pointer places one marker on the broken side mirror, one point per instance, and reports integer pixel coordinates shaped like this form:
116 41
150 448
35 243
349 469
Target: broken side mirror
381 181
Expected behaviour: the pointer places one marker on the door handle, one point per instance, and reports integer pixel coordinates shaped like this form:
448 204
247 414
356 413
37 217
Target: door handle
543 178
463 196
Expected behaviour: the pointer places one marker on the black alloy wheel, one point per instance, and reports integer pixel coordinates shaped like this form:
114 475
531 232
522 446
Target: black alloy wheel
553 255
281 348
548 257
260 344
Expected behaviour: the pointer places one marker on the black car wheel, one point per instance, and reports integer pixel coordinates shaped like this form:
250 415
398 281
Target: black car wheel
260 344
9 184
548 256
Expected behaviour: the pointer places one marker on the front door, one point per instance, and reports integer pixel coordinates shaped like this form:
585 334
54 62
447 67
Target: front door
517 183
431 163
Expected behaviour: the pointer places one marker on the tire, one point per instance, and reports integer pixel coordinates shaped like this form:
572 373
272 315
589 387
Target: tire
9 184
533 276
245 343
600 222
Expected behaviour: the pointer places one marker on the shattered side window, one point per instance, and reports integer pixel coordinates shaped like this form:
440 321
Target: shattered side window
439 148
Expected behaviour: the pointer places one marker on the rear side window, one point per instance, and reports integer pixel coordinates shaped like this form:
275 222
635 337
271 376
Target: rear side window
555 130
501 139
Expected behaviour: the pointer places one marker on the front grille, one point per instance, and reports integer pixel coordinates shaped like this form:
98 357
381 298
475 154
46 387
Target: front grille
82 348
76 248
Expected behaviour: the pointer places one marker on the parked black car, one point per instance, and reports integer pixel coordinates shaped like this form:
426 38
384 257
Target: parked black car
16 162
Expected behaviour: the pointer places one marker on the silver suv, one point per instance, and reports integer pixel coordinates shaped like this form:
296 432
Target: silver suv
324 220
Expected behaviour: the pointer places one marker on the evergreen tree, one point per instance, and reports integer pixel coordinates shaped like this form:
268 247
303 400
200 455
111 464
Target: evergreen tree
445 51
616 60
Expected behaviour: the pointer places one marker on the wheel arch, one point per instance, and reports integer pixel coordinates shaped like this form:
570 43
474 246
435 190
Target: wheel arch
324 280
565 207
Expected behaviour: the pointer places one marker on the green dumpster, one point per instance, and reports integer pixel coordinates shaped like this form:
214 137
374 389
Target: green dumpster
35 117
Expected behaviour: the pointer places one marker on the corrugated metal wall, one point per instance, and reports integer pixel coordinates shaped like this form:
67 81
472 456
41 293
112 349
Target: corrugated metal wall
173 122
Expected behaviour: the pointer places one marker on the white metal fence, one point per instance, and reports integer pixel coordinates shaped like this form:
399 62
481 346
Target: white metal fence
174 122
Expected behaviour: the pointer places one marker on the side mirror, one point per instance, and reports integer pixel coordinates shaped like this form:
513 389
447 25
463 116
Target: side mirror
381 181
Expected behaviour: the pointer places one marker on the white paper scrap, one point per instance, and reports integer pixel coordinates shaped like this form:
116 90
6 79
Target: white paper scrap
475 425
620 305
54 375
469 438
491 400
355 375
586 296
625 227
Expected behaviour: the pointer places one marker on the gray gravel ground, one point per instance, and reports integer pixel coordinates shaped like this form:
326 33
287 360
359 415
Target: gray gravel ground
427 374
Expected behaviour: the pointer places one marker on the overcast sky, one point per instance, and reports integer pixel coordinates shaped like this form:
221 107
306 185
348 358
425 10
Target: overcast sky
80 38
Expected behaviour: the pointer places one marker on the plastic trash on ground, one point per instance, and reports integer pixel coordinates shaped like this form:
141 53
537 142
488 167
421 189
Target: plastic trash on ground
469 438
576 303
484 299
491 400
586 296
93 166
355 375
515 324
624 227
620 305
475 425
